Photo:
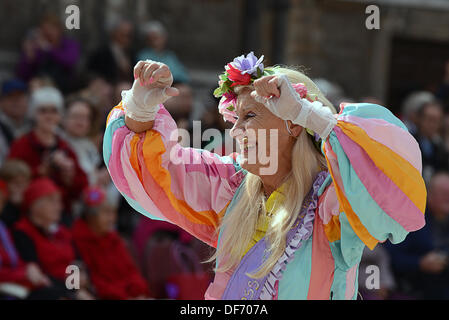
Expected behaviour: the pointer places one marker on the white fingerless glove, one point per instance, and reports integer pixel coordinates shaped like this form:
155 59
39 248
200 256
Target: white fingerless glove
141 103
290 106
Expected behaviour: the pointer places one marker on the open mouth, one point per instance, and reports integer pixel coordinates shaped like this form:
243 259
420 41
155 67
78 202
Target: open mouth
246 146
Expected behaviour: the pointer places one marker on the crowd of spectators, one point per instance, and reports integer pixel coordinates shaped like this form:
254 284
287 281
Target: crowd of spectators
418 268
59 207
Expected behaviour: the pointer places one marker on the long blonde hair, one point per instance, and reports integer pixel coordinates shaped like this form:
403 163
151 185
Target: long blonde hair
238 226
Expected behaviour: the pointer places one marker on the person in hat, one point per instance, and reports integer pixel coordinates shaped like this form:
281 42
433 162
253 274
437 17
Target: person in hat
14 107
13 114
38 234
291 213
41 238
13 270
46 153
112 269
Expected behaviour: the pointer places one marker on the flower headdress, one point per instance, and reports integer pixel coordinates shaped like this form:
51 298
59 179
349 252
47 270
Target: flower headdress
244 71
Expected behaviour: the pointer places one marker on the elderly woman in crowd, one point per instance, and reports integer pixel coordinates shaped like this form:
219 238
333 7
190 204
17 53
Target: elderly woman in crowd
112 269
78 123
46 153
41 239
13 270
294 228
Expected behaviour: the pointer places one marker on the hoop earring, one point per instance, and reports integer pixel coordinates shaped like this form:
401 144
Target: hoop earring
289 131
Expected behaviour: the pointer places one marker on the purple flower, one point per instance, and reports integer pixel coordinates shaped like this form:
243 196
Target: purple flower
248 64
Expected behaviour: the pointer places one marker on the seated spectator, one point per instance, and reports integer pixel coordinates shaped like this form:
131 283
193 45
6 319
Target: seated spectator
421 261
156 37
435 156
101 92
27 276
46 153
114 61
41 239
78 123
47 51
111 267
13 114
17 176
411 106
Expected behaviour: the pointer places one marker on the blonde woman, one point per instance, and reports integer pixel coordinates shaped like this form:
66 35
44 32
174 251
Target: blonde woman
341 181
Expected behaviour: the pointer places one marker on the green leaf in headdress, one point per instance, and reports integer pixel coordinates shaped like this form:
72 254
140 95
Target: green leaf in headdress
224 76
226 86
218 92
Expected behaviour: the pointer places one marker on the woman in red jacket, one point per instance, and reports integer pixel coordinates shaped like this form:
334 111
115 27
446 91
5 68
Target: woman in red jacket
12 268
46 153
41 239
112 270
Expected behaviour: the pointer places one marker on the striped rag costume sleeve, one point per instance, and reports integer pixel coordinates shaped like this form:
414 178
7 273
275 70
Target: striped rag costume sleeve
375 165
165 181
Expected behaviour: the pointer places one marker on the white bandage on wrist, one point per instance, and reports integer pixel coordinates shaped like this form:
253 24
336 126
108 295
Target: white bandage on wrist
135 107
141 103
315 116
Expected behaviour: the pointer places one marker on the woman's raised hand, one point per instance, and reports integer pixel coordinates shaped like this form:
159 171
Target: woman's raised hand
152 74
267 86
278 95
152 87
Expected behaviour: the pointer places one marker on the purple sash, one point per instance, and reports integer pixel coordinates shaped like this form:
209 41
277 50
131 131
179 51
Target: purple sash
243 287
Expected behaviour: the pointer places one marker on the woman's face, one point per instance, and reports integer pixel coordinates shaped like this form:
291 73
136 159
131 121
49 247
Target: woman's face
264 141
17 187
47 118
157 40
47 210
105 219
78 121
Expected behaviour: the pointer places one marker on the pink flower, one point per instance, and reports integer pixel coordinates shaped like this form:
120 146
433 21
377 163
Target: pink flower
231 98
301 89
226 108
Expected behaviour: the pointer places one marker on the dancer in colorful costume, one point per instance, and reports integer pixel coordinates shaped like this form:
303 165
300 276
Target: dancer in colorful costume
343 180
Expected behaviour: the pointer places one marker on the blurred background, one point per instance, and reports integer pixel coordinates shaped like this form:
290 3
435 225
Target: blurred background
58 206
